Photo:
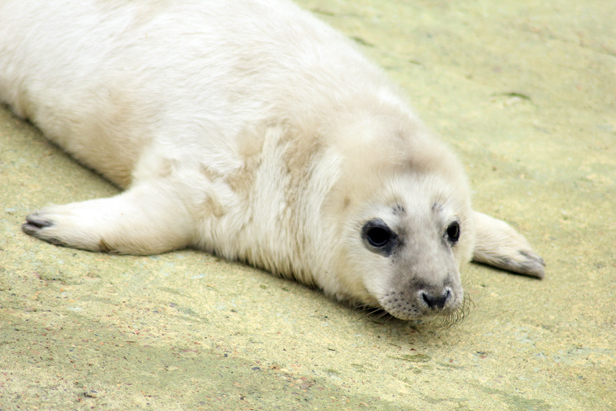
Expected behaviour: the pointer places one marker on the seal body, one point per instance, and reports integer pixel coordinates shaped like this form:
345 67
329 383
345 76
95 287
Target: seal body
252 130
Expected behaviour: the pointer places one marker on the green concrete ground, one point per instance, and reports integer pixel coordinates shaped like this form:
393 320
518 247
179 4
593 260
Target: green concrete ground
525 91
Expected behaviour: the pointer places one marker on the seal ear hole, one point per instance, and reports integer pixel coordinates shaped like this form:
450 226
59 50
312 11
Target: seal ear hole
378 235
453 232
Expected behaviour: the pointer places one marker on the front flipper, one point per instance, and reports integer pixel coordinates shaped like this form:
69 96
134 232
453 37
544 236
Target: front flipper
147 219
499 245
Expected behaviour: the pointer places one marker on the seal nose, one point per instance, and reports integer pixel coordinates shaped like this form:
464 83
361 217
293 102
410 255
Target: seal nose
436 301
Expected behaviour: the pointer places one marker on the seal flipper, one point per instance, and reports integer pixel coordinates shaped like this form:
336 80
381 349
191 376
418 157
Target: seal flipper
146 219
499 245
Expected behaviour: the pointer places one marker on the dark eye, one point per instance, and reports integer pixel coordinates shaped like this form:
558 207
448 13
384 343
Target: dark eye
379 236
453 232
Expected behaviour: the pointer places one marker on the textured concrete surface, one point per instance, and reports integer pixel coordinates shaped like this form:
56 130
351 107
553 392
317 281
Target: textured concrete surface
525 91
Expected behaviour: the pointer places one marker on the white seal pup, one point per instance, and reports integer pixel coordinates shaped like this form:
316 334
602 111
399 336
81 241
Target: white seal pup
250 129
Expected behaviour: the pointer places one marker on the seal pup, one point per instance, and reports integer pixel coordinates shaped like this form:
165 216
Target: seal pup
252 130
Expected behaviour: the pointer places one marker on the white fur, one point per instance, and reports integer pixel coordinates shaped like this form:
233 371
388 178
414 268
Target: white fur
246 128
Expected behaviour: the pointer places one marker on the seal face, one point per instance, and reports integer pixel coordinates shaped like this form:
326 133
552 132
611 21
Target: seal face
252 130
410 241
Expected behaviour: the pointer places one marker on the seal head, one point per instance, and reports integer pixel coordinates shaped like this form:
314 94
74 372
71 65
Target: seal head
409 223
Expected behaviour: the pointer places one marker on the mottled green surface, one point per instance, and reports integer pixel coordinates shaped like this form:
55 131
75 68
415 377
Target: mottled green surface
525 91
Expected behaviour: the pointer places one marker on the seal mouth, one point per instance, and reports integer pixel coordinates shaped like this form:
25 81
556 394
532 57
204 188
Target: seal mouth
424 303
441 320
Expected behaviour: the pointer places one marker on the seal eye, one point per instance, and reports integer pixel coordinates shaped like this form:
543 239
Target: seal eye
453 232
379 237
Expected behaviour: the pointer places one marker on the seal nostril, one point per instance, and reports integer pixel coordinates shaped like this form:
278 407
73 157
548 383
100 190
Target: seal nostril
427 299
436 301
